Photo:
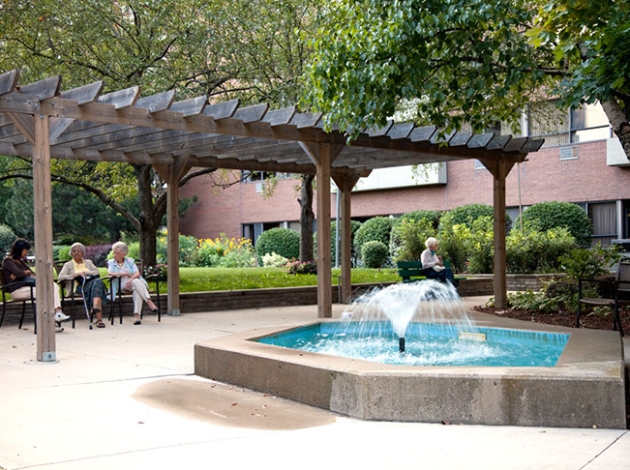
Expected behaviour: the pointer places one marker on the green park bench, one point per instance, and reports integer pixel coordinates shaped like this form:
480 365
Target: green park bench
410 271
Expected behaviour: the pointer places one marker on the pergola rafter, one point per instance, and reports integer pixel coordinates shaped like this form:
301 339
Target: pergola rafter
38 120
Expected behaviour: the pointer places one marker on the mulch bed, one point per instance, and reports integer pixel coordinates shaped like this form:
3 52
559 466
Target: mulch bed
591 321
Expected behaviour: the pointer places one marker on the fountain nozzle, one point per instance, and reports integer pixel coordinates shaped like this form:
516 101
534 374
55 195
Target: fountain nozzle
401 345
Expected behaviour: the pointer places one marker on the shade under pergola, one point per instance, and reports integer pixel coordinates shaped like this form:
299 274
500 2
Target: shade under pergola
38 120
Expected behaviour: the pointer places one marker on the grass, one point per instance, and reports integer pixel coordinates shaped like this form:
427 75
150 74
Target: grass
210 279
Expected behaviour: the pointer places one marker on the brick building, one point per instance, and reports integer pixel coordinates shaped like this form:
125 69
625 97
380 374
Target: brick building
579 163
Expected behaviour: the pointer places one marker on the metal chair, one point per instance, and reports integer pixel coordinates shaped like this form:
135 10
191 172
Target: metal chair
5 287
618 293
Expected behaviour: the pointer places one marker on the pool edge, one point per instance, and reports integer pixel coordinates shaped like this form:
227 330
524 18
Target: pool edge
585 389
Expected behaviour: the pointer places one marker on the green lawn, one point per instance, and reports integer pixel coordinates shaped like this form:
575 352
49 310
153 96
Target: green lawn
208 279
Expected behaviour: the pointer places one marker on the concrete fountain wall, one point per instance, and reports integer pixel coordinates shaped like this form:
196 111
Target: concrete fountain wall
585 389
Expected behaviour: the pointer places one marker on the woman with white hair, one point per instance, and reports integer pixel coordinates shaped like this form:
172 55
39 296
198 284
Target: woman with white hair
85 275
130 280
432 263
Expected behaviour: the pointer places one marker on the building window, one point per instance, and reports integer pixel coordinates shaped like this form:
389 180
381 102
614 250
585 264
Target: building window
253 176
604 218
586 123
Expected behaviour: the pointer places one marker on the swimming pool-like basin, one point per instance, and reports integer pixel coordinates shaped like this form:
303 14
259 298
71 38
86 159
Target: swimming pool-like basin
427 344
584 389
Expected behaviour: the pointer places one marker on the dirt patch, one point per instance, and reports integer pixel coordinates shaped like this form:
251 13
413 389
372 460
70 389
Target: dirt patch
229 405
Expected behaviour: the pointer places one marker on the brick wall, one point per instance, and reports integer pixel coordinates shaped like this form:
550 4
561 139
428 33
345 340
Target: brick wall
544 177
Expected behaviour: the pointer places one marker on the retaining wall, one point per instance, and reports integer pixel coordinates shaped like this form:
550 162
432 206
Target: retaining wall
191 302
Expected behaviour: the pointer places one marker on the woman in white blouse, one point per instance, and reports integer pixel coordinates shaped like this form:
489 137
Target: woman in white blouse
130 280
433 265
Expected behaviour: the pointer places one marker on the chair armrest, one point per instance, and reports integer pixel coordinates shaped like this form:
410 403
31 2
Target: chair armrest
4 288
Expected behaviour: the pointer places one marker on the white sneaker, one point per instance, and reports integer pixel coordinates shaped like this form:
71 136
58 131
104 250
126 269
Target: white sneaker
61 317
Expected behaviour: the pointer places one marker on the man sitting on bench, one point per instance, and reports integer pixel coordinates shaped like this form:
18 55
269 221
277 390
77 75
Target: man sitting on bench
433 265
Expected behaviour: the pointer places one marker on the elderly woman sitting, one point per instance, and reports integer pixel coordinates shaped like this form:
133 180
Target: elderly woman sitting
130 280
85 275
432 263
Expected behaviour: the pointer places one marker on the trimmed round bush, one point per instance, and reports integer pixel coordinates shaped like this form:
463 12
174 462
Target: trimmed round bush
556 214
468 214
375 229
6 238
282 241
374 254
419 215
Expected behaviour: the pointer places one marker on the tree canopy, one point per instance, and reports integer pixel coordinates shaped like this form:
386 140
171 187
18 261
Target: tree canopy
246 49
474 62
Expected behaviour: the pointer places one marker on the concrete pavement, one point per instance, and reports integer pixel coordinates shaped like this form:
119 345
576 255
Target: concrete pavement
125 397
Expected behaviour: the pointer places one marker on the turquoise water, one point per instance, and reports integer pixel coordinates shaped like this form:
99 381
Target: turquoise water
427 344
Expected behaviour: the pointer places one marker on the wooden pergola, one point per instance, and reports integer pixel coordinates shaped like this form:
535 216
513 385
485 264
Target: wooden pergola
38 120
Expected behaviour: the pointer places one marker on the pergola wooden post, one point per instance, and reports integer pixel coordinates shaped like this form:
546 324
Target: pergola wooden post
345 185
171 174
42 202
322 156
499 170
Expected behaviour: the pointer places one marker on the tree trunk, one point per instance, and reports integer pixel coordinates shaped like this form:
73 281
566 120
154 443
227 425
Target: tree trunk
148 222
306 219
619 122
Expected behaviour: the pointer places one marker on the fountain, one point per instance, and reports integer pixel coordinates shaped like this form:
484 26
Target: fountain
421 324
400 303
584 387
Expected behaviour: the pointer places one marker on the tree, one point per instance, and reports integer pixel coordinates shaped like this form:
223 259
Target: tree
197 47
468 61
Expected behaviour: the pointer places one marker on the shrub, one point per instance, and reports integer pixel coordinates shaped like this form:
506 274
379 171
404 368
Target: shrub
157 272
453 246
299 267
7 237
535 301
589 262
408 237
98 253
274 260
374 254
533 251
211 252
63 253
243 258
432 216
467 215
188 250
134 251
283 241
481 246
548 215
375 229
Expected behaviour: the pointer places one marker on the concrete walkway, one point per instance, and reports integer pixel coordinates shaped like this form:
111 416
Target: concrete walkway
124 397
